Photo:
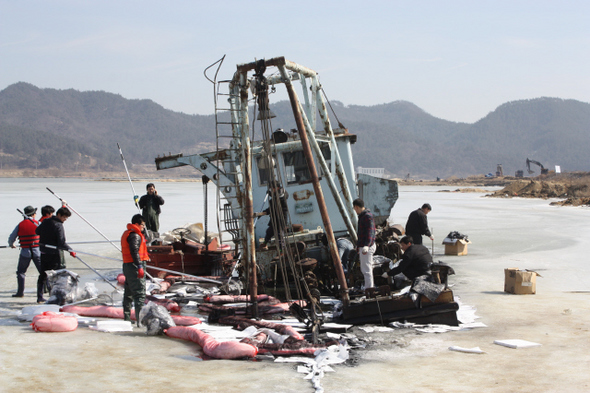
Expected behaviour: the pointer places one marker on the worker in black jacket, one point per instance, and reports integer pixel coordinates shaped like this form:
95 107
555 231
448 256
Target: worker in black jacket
417 224
415 261
52 239
150 207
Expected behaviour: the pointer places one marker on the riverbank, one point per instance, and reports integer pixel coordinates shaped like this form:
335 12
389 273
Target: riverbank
137 174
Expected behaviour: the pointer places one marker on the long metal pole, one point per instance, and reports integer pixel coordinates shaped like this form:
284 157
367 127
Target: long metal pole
85 220
150 267
337 160
27 217
87 265
135 196
316 186
331 184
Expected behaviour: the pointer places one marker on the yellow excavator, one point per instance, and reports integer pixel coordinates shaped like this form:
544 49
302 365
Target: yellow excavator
544 170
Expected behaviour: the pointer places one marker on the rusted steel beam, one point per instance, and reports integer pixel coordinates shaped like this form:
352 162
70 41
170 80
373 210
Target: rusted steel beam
317 187
318 152
278 62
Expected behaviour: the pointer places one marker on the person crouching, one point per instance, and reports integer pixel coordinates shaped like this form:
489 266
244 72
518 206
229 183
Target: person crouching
135 257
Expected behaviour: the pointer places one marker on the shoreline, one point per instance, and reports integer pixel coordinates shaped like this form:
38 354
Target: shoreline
179 174
101 176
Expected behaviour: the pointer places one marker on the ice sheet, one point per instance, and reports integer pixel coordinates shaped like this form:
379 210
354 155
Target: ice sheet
517 343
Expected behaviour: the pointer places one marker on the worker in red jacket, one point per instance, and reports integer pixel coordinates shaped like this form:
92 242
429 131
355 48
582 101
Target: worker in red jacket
29 250
46 212
135 257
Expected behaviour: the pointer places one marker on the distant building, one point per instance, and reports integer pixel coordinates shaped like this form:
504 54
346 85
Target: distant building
377 172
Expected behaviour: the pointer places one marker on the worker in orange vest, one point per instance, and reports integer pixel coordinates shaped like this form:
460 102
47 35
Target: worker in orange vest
135 257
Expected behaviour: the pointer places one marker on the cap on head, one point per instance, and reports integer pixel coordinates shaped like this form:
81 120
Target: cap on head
30 210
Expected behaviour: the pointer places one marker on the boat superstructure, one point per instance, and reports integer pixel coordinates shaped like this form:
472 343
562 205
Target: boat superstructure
307 173
242 165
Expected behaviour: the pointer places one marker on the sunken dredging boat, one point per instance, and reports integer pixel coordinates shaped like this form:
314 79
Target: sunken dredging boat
285 198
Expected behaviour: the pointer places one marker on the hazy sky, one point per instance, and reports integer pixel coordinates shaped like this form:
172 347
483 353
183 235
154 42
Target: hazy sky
457 60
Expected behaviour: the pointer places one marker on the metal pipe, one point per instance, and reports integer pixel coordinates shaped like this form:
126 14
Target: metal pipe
87 265
247 198
27 217
331 184
85 220
317 188
135 196
337 160
150 267
184 274
277 62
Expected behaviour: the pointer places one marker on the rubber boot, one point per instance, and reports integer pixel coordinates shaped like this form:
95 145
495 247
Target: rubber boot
126 312
20 281
40 286
137 311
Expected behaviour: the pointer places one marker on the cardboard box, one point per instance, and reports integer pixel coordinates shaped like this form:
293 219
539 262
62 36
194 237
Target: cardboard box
520 282
456 246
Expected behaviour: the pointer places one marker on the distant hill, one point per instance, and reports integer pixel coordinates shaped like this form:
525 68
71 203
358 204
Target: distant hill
73 130
98 121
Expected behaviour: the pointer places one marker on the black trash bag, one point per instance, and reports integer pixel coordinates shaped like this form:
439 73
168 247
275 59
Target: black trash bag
155 318
457 235
63 286
423 285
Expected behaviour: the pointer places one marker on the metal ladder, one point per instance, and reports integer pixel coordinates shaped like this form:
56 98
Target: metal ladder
227 222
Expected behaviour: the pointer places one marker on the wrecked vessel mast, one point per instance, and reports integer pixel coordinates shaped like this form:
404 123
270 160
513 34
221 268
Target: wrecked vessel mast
245 171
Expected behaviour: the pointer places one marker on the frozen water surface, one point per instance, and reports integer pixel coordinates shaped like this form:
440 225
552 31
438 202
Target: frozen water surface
523 233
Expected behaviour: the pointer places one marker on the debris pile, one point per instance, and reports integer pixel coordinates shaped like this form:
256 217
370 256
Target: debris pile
533 189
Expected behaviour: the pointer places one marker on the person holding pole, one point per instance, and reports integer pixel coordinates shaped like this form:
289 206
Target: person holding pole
417 224
29 245
150 205
135 257
52 239
46 212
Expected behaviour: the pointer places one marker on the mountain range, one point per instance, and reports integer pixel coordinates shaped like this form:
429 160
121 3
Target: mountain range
71 130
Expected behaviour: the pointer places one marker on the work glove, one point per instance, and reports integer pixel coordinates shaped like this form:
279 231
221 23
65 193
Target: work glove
136 199
365 250
73 254
140 272
64 203
385 275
